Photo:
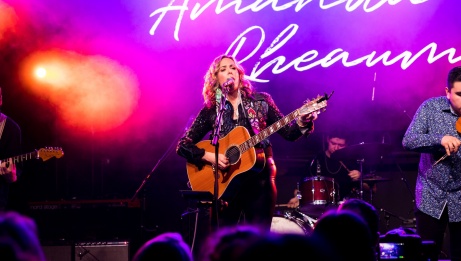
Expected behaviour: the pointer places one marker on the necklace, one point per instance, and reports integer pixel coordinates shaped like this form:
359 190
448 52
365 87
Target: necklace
236 112
328 169
236 108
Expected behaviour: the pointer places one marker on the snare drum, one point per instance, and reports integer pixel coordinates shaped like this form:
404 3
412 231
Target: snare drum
291 222
317 190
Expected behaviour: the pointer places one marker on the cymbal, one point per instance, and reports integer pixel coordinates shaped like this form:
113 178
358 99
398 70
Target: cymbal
363 151
374 178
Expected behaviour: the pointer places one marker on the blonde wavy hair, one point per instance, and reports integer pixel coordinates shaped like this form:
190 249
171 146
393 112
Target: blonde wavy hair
211 81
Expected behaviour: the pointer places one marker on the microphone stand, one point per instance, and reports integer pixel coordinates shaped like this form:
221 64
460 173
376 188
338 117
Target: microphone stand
215 143
147 178
168 151
407 186
360 161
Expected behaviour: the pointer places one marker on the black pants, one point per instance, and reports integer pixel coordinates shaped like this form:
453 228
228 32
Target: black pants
255 201
430 228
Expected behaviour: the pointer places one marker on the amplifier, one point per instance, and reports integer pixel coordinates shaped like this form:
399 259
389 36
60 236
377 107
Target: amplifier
85 204
88 251
100 251
84 220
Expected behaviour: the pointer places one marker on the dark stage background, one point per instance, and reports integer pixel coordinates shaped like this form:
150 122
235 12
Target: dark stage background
115 84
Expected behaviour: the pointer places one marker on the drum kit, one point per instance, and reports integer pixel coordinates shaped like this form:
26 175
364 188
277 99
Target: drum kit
317 193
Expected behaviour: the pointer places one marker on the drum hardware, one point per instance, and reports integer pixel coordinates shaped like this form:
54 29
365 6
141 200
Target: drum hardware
319 170
371 180
292 222
298 192
405 222
309 220
369 152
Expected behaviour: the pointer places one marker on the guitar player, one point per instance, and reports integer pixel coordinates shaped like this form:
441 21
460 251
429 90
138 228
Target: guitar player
10 145
250 193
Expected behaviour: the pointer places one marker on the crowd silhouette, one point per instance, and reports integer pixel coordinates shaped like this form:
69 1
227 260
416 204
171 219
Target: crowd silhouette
349 232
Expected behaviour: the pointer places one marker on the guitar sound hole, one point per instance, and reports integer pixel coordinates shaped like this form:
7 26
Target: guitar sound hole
233 153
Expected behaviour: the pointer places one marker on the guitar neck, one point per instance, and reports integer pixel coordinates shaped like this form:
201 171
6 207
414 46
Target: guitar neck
23 157
268 131
315 105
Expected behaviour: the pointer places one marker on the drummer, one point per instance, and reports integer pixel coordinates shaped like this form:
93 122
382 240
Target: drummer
344 174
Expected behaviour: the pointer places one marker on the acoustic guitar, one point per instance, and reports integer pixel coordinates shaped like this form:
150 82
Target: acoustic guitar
238 146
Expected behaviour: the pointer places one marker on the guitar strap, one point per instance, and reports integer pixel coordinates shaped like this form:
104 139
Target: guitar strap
252 108
2 123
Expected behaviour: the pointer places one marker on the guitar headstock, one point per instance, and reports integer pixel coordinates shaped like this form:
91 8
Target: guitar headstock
48 153
318 104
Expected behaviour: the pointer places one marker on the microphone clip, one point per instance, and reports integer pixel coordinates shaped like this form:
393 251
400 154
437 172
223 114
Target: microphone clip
227 85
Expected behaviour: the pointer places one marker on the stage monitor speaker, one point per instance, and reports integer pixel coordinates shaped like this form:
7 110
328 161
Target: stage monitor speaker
100 251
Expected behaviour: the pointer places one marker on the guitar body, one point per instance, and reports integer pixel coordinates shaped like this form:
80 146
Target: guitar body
250 160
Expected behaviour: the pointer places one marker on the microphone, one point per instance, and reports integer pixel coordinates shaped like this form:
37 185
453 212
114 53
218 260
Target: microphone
227 84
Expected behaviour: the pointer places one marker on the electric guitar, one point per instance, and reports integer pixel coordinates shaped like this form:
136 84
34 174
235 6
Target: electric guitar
238 146
43 153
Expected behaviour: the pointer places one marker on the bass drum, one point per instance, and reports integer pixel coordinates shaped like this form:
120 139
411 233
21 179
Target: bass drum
291 222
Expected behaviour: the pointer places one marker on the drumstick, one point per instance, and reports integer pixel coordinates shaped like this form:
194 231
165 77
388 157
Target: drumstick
439 160
346 167
342 164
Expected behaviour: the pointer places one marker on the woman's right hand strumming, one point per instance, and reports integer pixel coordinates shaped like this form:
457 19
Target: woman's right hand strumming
223 161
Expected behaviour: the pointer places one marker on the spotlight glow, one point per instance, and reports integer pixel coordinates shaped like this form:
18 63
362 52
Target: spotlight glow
40 72
94 93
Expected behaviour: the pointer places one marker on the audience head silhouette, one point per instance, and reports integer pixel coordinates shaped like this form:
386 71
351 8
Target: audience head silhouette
19 238
169 246
287 247
248 243
229 242
367 211
346 234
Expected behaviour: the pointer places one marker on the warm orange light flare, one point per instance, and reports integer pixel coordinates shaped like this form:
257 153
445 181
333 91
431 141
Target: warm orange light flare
90 92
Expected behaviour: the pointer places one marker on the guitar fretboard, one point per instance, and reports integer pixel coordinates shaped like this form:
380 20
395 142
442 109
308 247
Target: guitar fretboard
268 131
313 105
23 157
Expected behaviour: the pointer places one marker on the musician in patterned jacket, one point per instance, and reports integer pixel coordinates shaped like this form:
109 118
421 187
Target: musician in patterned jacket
249 197
434 133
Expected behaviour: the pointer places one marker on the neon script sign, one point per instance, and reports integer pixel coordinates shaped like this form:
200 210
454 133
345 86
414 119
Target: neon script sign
308 59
